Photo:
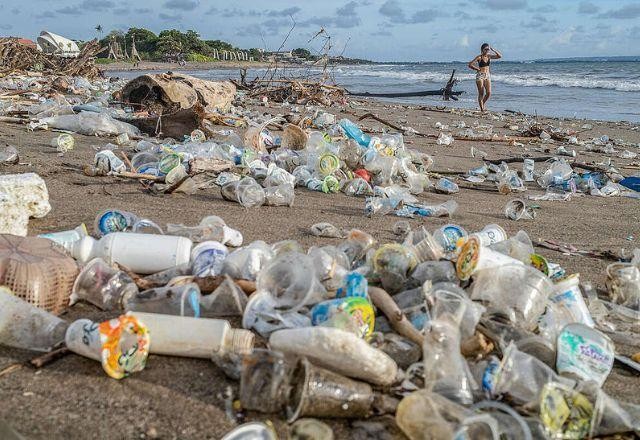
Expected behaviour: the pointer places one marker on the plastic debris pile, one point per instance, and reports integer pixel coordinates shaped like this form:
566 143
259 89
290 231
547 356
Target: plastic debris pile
456 334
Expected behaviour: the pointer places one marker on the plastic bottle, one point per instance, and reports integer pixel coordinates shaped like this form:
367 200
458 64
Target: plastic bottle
194 337
181 300
140 253
354 132
66 239
339 351
23 325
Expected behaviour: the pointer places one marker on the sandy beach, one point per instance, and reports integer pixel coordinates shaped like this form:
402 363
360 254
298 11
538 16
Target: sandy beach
166 66
184 398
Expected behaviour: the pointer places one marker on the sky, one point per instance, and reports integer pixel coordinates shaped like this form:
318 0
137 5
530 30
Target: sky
381 30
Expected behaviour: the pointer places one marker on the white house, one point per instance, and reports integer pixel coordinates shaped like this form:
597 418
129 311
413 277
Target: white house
53 44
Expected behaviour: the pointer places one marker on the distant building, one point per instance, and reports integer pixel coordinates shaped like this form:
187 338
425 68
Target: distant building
53 44
26 42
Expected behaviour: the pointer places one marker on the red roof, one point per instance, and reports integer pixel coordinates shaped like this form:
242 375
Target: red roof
26 42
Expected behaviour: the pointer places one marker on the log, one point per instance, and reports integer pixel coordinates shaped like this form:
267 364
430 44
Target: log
398 320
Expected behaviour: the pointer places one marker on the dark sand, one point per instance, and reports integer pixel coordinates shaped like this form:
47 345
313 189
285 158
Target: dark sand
182 398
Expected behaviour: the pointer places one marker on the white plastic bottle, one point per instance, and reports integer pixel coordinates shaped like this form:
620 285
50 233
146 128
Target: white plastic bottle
141 253
194 337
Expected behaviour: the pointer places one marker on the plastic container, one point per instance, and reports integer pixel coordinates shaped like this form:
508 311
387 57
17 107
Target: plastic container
448 235
25 326
519 292
291 281
245 191
338 351
264 381
207 259
317 392
354 132
359 310
281 195
194 337
140 253
251 431
227 300
262 316
180 300
568 297
474 257
113 220
63 142
491 234
517 209
518 247
37 270
66 239
584 353
102 285
120 344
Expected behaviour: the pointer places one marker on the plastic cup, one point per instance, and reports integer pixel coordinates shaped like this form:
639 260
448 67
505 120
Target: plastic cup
474 257
207 259
174 300
120 344
251 431
491 234
176 174
102 285
113 220
143 158
23 325
261 315
317 392
169 162
448 236
518 291
264 382
568 297
245 191
584 353
428 249
227 300
63 143
517 209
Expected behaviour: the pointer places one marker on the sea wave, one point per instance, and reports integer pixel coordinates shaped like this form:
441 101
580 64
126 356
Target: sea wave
523 79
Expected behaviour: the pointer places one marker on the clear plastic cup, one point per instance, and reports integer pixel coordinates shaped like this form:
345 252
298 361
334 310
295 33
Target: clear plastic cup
518 291
102 285
174 300
264 381
25 326
316 392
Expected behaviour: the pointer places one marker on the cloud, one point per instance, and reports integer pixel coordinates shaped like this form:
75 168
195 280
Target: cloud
627 12
96 5
588 8
565 37
69 10
121 11
284 12
545 9
45 14
142 11
344 17
541 23
462 15
464 41
489 28
15 11
506 4
169 17
6 27
181 5
392 10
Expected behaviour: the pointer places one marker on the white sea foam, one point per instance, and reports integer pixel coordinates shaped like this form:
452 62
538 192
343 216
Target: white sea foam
521 79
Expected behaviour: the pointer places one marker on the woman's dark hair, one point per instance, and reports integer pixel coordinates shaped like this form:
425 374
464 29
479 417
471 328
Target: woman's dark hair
484 46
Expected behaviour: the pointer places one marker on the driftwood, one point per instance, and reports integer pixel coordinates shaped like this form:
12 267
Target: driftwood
446 92
297 91
391 125
17 57
398 320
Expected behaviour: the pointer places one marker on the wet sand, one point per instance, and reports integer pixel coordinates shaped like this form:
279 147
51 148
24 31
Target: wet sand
183 398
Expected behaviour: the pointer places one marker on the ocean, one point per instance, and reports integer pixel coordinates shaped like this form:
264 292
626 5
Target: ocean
605 90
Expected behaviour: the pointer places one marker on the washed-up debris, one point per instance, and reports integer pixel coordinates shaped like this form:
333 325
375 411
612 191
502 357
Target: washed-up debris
17 57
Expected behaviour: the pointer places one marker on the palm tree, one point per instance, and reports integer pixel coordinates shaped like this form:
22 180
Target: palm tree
99 29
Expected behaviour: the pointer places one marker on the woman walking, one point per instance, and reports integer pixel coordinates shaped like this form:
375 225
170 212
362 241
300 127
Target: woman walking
481 65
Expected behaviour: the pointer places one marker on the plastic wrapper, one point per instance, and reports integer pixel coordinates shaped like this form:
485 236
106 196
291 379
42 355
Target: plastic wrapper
90 124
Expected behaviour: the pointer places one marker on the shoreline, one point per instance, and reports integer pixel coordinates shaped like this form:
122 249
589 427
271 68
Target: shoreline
161 66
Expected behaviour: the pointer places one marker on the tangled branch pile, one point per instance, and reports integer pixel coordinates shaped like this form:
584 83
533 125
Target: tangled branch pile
16 57
294 91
